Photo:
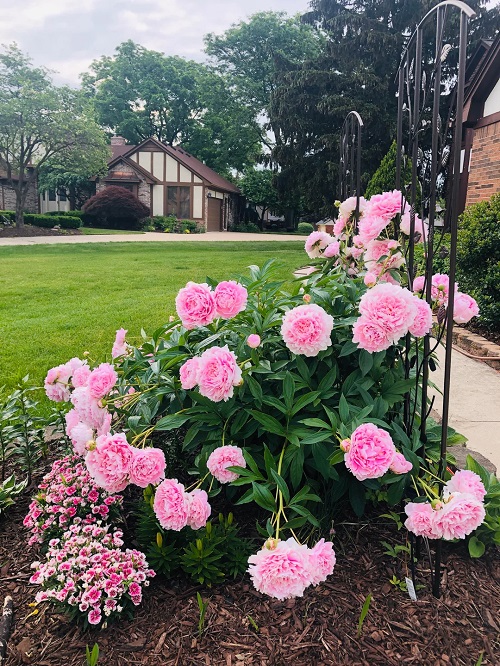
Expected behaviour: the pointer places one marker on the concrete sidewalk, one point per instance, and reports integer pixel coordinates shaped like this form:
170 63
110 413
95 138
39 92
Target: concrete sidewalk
474 403
221 236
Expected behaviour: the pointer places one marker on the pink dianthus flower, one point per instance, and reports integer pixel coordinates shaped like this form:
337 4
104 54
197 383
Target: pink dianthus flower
281 570
218 373
307 329
222 458
371 452
147 466
199 509
195 305
230 298
171 505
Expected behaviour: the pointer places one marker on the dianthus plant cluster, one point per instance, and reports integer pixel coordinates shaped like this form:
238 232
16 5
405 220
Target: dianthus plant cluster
67 496
89 574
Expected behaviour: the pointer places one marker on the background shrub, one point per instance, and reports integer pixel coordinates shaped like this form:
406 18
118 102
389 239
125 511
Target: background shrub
247 227
478 252
9 214
67 213
115 208
305 228
50 221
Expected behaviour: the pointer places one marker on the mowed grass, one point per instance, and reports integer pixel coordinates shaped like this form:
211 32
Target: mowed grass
58 301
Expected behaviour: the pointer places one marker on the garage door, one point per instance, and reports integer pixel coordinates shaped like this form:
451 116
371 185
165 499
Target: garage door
214 214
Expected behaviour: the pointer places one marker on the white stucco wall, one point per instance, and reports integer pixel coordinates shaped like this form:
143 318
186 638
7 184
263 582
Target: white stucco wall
492 103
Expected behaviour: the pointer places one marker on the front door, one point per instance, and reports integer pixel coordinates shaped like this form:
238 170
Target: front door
214 221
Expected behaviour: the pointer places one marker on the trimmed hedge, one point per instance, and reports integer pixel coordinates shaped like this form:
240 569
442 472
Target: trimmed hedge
50 221
66 213
305 228
9 214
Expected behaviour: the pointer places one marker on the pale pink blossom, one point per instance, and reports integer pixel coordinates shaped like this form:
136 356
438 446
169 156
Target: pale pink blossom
466 481
339 226
370 279
222 458
390 306
195 305
281 569
332 250
199 509
386 205
109 463
253 341
188 373
440 288
147 466
171 505
371 452
230 298
370 227
71 419
420 227
461 514
464 308
307 329
56 384
422 520
120 347
418 283
81 376
101 380
316 242
422 323
369 335
321 561
400 465
80 434
218 373
348 207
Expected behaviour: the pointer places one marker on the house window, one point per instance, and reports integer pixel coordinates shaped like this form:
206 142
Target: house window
62 195
179 202
52 195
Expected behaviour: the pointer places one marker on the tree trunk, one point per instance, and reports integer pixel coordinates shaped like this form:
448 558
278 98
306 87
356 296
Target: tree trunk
5 627
20 207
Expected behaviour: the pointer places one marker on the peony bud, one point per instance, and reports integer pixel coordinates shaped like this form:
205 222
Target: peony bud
306 298
253 340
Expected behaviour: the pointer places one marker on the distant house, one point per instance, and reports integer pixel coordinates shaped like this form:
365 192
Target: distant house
480 173
170 181
53 200
8 194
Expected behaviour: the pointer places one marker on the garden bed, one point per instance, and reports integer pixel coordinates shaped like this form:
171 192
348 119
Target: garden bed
29 230
318 629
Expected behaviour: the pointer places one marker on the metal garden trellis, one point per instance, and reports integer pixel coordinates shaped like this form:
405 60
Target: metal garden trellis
421 97
350 159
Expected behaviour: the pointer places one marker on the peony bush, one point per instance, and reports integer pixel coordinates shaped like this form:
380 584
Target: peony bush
288 397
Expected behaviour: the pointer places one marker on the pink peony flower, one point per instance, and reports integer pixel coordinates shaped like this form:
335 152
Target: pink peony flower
316 242
199 509
391 307
422 323
440 288
81 376
230 298
253 341
88 408
386 205
56 384
369 335
218 373
339 226
422 520
222 458
80 434
348 207
371 452
400 465
370 279
420 227
119 346
147 466
464 308
370 227
306 329
71 419
109 463
466 481
418 283
195 305
101 380
281 569
460 515
171 505
188 373
321 561
332 250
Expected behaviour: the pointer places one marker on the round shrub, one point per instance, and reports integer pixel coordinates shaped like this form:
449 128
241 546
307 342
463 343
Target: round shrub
305 228
115 208
478 258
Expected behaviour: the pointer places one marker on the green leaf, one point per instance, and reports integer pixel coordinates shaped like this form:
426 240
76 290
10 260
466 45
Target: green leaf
263 497
357 497
269 461
337 457
303 401
363 614
288 391
349 347
281 483
474 466
269 422
365 361
476 547
171 422
343 409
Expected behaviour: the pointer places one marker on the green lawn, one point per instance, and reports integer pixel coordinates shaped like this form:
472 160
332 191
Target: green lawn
61 300
92 231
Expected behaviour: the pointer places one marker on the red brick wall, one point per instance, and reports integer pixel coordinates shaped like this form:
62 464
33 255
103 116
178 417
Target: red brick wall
484 175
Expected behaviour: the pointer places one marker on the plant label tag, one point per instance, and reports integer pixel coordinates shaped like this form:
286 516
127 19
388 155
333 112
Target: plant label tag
411 589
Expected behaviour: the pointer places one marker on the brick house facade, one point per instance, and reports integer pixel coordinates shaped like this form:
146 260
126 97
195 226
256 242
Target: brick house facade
480 174
8 195
170 181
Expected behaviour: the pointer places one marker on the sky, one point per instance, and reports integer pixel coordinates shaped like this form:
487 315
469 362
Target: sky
66 35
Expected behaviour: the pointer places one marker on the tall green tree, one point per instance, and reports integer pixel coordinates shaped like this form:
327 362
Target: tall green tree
356 71
39 122
245 56
140 93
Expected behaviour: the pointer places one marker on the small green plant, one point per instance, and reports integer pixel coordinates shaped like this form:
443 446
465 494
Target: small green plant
8 490
92 656
487 534
394 551
364 613
28 437
253 624
202 605
480 660
305 228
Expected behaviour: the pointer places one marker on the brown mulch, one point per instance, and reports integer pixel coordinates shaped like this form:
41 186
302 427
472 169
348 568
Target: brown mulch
28 231
317 630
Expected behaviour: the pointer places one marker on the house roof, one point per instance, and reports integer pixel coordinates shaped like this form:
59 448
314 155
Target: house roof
186 159
123 176
482 74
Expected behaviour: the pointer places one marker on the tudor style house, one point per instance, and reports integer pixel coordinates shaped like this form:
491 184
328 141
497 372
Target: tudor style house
480 173
170 181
